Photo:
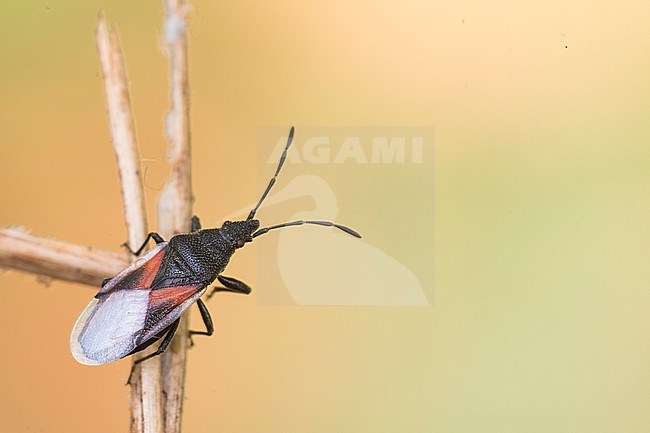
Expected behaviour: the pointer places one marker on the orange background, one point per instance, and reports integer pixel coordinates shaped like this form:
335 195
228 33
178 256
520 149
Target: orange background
540 317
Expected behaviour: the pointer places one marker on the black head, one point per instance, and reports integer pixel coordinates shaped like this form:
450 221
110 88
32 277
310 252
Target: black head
238 233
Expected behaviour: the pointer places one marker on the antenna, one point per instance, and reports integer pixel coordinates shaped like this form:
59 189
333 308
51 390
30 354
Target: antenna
264 230
251 215
347 230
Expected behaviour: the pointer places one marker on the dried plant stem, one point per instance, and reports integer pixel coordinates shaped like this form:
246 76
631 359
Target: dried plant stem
146 393
122 132
57 259
175 200
158 384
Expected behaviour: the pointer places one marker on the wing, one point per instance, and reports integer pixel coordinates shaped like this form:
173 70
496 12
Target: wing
140 274
126 315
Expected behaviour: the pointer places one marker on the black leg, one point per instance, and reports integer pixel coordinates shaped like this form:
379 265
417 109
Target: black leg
153 235
234 284
207 320
196 224
230 285
163 345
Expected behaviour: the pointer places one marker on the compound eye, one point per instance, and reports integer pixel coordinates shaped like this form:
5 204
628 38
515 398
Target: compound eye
240 243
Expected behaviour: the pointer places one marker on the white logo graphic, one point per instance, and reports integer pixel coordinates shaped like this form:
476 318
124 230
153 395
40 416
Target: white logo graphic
326 267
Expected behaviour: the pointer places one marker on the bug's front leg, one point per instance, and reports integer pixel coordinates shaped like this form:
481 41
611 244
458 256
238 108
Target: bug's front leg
153 235
207 320
230 285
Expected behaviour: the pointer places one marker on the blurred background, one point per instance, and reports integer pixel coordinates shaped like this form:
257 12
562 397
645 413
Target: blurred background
538 318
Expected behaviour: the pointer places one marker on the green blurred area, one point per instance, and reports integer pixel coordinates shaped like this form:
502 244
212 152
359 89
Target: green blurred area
539 317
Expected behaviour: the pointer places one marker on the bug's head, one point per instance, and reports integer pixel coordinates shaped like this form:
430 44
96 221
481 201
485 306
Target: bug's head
238 233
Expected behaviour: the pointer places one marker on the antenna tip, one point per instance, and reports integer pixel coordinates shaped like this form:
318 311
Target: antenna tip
348 230
290 139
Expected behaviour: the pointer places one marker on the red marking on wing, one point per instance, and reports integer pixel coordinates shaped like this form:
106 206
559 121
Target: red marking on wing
162 301
165 306
139 278
150 269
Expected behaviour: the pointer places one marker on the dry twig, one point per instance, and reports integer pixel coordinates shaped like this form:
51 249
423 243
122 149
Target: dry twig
146 392
57 259
175 200
157 391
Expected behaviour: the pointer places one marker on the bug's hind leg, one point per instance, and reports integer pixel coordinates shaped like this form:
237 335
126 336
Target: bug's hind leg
230 285
207 320
163 345
153 235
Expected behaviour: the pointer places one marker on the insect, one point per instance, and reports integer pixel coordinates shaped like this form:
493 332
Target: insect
144 303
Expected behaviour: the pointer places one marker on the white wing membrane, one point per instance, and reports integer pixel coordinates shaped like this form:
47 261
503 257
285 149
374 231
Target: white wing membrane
106 330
